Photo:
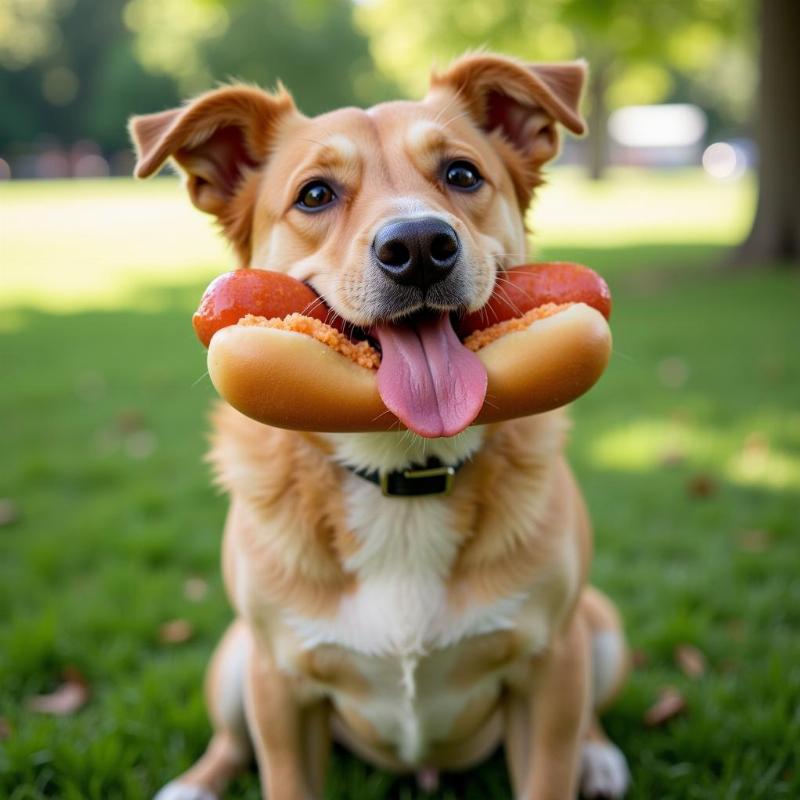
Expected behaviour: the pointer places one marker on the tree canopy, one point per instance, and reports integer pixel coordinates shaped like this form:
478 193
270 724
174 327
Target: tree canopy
74 69
645 50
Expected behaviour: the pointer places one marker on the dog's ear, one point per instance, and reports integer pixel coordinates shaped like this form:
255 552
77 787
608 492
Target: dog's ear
218 140
522 103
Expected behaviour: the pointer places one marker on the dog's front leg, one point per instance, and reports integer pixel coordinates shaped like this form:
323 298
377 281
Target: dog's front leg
275 721
558 710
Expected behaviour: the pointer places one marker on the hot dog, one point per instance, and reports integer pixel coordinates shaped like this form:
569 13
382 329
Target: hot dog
541 341
231 296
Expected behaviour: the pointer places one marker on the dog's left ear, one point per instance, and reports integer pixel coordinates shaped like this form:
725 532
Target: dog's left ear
523 103
219 140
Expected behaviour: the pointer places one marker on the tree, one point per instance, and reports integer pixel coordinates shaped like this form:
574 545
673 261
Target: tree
70 74
775 235
310 45
77 69
637 49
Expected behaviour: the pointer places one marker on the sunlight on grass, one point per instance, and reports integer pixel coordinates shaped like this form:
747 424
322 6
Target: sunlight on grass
746 454
75 245
83 244
632 206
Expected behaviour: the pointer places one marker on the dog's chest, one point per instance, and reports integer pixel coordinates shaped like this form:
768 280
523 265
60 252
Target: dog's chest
400 604
398 657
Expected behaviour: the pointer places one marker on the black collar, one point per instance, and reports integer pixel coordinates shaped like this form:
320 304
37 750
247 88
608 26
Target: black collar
418 480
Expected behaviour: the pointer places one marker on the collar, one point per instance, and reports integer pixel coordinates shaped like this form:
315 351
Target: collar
419 480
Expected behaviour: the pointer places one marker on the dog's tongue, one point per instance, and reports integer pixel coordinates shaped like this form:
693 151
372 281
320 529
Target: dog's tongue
428 379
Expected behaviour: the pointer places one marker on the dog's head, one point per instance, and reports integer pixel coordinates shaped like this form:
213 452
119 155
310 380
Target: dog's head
398 216
387 211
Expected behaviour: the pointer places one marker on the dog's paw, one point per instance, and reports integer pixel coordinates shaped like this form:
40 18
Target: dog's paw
604 771
176 790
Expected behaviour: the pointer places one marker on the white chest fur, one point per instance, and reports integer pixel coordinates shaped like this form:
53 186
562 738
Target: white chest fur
404 637
401 606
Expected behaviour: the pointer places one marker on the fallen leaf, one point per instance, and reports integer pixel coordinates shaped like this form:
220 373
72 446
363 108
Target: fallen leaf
90 385
129 420
639 658
756 444
9 512
5 728
176 631
754 541
736 629
670 704
673 372
673 457
140 444
691 660
702 485
68 698
195 589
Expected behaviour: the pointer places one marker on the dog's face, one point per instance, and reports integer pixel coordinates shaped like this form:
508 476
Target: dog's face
388 210
402 208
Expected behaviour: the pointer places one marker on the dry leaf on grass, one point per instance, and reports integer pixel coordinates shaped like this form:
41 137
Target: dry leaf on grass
672 457
68 698
702 485
736 629
195 589
754 541
690 660
176 631
129 420
639 658
670 704
8 511
5 728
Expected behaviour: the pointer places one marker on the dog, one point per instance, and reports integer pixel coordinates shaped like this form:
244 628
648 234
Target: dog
421 632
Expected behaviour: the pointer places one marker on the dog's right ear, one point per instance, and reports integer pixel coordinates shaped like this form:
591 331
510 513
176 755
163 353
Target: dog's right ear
518 104
217 140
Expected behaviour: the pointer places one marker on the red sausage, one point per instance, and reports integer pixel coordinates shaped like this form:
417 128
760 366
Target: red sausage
529 286
253 291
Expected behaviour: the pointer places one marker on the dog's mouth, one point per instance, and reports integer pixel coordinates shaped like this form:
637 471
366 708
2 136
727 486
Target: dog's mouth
427 378
427 372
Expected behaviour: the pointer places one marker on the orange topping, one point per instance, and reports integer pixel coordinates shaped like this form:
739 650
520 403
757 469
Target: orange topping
361 353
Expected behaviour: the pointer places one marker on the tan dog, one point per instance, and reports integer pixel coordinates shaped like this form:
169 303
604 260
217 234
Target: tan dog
422 632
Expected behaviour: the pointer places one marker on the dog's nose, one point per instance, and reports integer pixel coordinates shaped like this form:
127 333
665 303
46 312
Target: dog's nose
417 252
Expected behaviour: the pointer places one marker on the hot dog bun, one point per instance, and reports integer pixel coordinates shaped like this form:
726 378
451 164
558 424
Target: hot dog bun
291 380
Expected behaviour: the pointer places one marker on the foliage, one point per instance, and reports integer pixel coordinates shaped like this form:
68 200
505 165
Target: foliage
310 45
647 46
78 69
105 413
75 69
83 82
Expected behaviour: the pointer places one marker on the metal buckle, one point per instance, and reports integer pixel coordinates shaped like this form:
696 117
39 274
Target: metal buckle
445 472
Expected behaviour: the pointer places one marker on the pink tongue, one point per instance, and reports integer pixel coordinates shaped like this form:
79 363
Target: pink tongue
428 379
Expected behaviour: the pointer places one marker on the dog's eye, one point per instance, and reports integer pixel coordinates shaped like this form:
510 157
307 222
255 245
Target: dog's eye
315 195
463 175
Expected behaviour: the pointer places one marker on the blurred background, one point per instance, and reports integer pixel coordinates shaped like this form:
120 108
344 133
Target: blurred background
684 195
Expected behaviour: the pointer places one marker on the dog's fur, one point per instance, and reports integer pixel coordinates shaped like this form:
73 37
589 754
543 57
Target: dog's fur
420 632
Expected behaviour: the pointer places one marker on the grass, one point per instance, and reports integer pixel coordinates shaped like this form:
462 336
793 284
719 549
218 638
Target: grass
688 451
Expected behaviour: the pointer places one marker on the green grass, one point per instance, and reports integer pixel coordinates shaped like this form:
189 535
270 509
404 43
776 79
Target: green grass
104 408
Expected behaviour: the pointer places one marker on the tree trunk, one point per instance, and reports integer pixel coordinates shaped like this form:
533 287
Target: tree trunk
598 122
775 235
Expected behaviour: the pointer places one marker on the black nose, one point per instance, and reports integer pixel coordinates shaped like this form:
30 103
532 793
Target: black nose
417 252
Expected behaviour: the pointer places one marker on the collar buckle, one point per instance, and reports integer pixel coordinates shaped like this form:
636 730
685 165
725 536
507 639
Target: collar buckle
431 480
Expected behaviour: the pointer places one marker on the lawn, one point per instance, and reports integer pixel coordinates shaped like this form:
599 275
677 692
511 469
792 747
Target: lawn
688 451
